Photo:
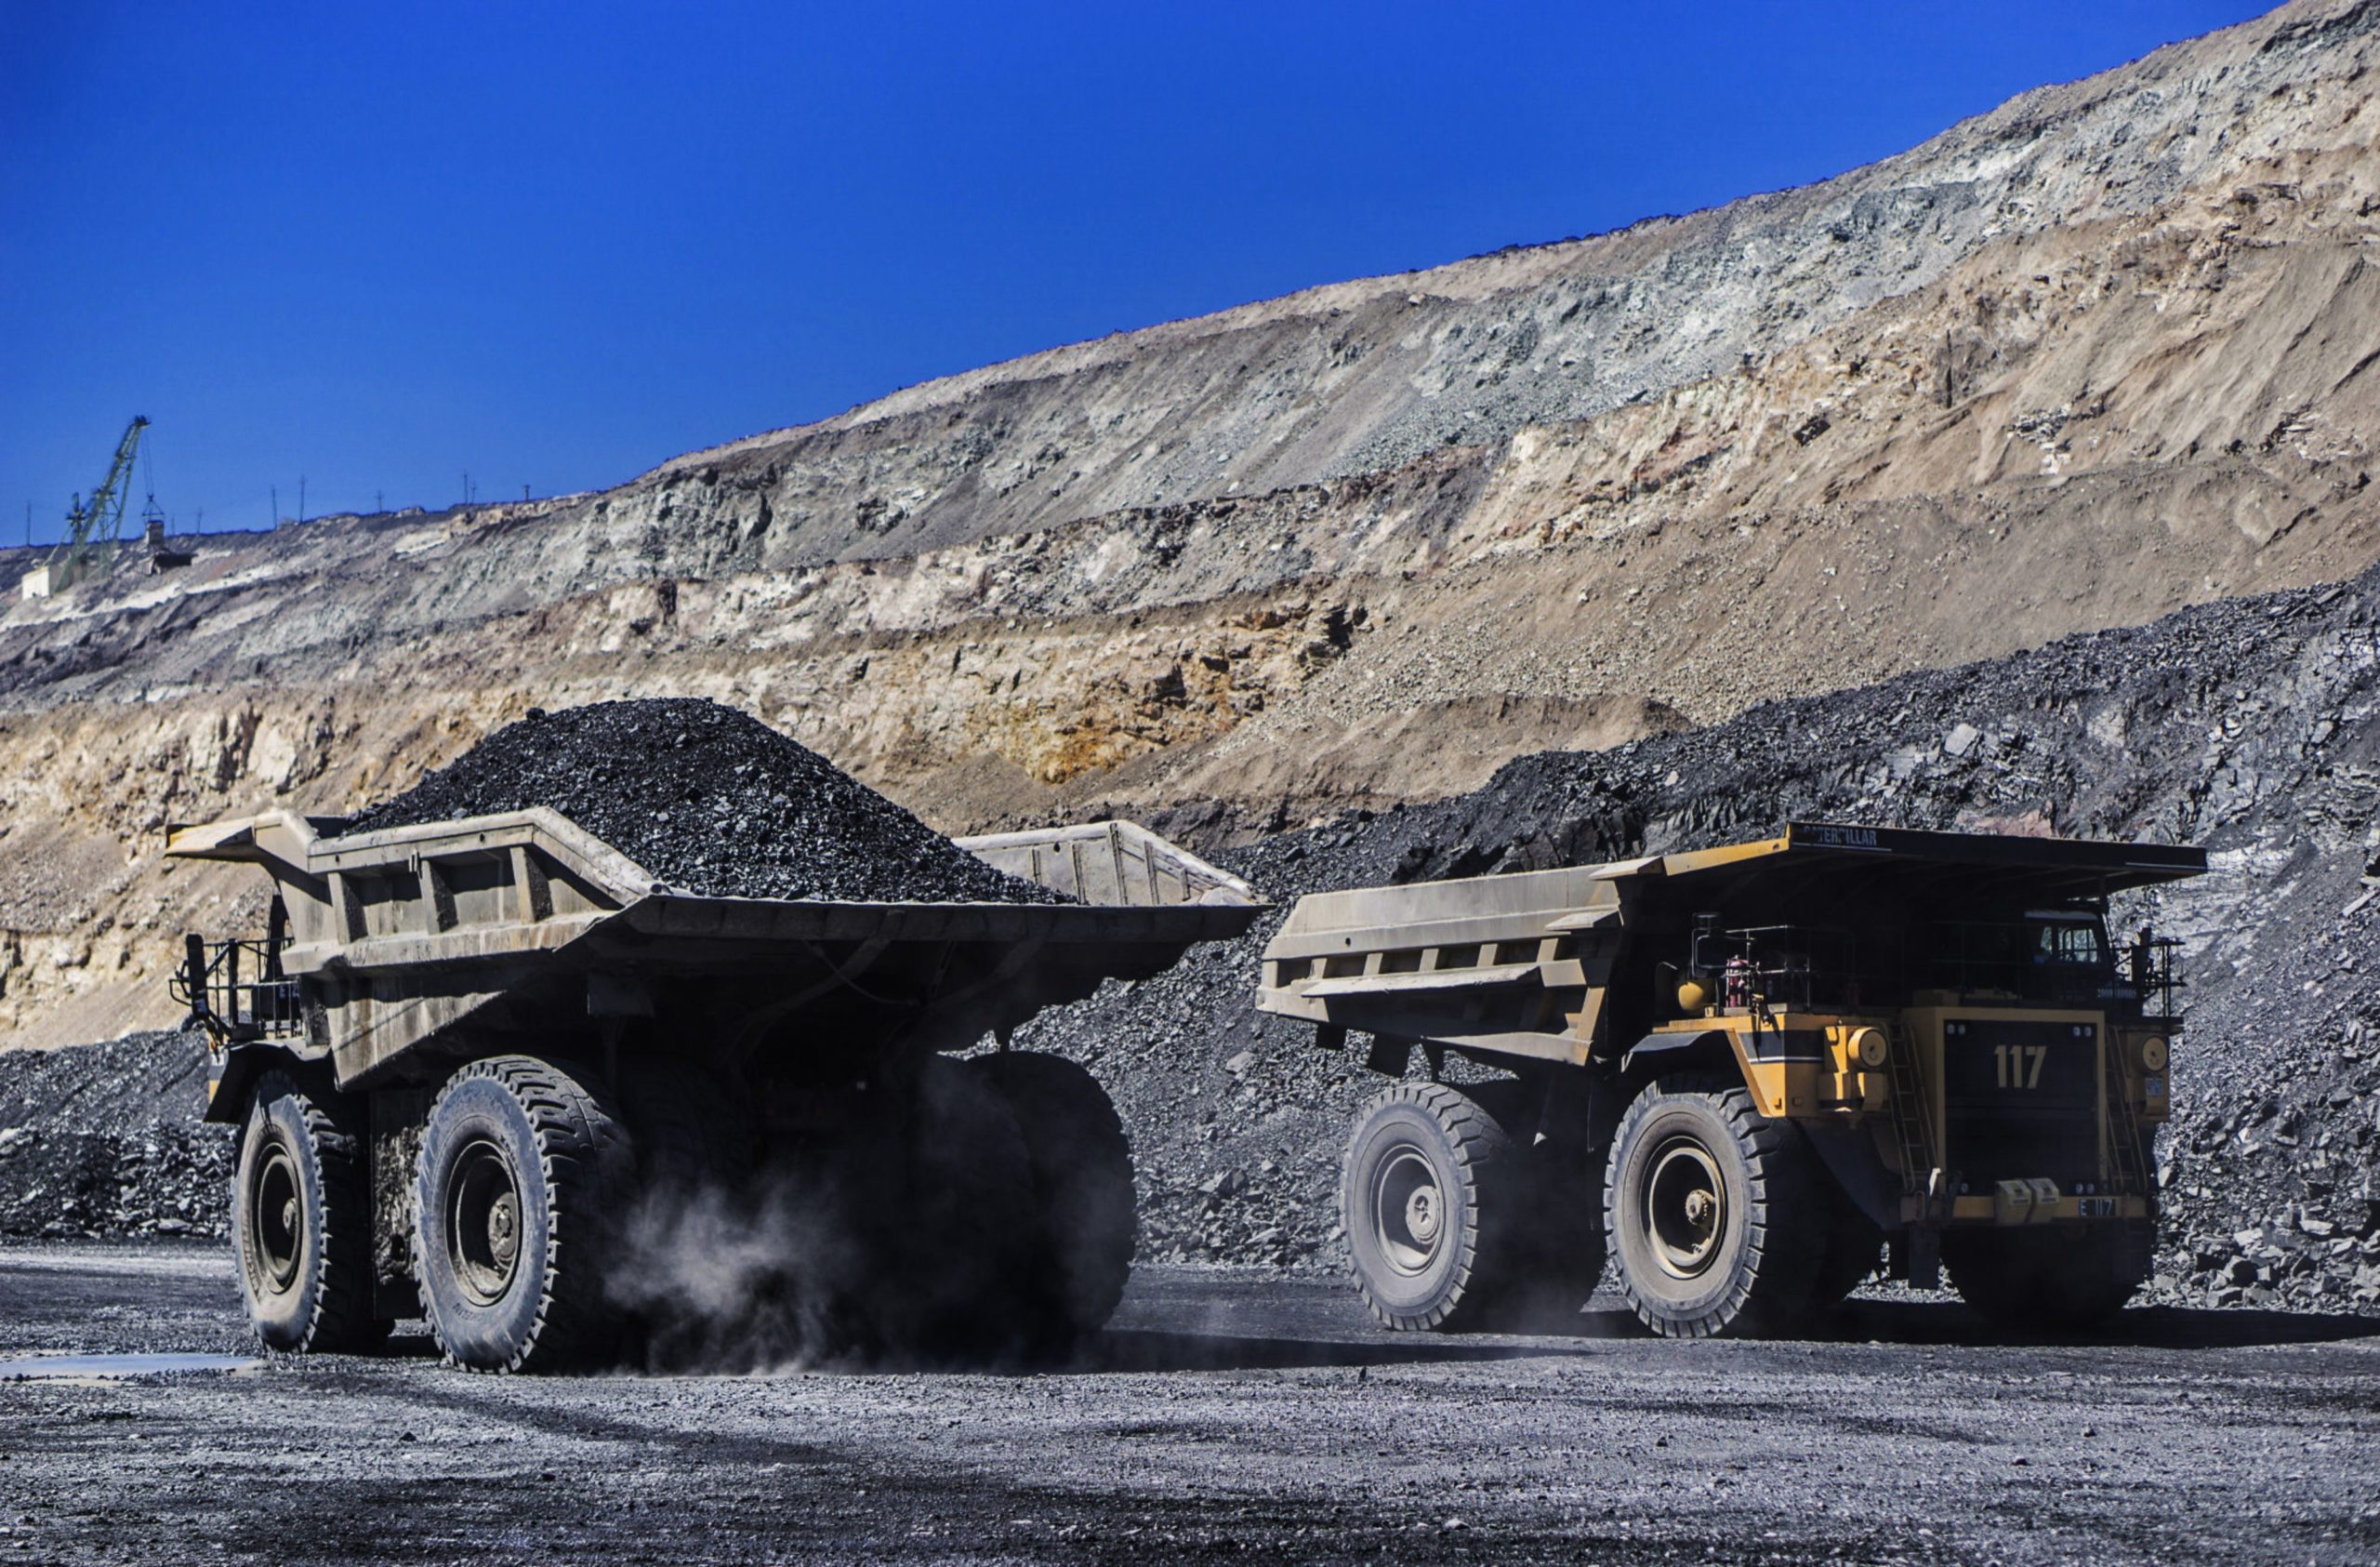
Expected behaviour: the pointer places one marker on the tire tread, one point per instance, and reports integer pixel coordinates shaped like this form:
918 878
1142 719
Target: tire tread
590 1177
1482 1150
1785 1220
342 1320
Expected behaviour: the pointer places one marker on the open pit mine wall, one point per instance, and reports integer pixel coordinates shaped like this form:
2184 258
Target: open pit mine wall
2099 354
2251 726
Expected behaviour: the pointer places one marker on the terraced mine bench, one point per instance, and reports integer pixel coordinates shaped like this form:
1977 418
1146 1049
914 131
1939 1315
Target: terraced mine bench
466 1052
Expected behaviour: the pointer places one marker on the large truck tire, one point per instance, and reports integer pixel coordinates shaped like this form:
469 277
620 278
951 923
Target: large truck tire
524 1170
691 1133
301 1224
2047 1280
698 1159
1718 1222
1082 1179
1430 1204
1855 1244
1557 1251
959 1225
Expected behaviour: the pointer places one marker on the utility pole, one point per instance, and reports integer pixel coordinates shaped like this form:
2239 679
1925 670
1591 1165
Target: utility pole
524 491
200 526
301 497
276 505
467 486
376 507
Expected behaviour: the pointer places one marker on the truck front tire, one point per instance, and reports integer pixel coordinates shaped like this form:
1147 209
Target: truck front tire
525 1171
1715 1217
301 1225
1432 1185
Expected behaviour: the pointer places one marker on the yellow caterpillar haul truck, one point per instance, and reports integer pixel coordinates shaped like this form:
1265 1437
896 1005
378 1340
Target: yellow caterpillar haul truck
1748 1075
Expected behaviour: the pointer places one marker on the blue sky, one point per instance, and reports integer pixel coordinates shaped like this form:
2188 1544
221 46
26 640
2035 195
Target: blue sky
553 246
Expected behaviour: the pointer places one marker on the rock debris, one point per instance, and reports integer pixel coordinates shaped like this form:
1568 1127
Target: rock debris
710 801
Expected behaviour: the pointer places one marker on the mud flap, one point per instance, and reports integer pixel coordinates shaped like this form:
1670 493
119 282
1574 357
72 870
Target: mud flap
232 1076
1850 1156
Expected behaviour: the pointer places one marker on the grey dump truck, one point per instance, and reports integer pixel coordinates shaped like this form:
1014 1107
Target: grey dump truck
1745 1077
463 1052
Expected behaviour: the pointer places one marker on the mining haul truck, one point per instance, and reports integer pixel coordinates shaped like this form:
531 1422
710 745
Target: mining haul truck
1746 1076
467 1053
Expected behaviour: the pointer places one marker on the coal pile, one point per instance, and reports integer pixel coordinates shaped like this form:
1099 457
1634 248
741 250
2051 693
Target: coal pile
2251 726
710 801
105 1140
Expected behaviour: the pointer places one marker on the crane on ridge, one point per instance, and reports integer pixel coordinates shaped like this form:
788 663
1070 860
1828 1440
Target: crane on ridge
93 527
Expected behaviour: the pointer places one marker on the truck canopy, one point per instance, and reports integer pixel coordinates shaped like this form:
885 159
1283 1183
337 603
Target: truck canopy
1991 868
1523 963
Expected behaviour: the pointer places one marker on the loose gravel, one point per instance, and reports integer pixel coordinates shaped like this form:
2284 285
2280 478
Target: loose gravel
105 1140
1227 1417
711 801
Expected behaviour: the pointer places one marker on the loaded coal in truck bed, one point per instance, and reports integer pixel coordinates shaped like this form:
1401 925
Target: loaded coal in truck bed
711 801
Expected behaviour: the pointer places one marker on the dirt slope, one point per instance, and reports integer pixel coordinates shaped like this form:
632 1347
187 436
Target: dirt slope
2104 351
2250 726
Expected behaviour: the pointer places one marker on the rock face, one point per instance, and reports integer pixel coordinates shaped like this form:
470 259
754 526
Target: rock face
2252 726
710 799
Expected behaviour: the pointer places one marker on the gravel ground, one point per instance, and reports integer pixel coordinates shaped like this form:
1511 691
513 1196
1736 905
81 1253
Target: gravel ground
1227 1415
712 800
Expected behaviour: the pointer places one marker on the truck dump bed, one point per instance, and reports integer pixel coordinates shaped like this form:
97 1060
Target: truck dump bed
487 925
1521 963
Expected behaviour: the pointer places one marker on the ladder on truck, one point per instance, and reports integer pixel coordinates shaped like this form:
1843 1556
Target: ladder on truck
2125 1160
1921 1166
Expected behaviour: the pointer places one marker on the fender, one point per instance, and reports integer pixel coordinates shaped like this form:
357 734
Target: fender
1850 1156
1659 1051
232 1076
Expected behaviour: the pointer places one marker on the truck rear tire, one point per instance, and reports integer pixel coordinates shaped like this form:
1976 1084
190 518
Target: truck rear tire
691 1134
1431 1188
963 1273
301 1225
1082 1178
2047 1280
524 1170
1717 1221
1557 1246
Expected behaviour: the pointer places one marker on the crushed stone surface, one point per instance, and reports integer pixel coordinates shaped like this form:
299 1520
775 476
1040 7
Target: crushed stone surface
105 1140
1229 1416
710 801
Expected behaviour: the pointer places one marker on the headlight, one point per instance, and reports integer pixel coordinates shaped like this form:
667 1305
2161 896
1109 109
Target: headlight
1869 1044
2152 1054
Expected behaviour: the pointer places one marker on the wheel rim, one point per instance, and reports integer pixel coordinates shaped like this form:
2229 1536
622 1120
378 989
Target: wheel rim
483 1223
1409 1211
1685 1209
277 1219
